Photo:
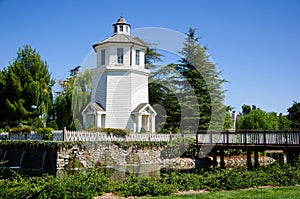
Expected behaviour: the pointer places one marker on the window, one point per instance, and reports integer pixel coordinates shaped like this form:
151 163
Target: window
103 57
121 28
120 55
126 28
137 57
115 29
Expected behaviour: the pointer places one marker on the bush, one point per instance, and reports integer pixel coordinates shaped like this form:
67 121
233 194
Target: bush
21 129
78 125
143 130
47 133
180 147
92 184
143 186
36 123
53 125
116 132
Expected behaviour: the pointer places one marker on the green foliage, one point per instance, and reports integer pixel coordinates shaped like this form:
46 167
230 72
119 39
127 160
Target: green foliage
63 109
47 133
142 186
53 125
25 88
21 129
294 115
93 183
284 122
228 123
189 90
143 130
180 147
78 125
93 128
116 132
162 92
246 109
139 144
75 186
258 119
45 144
73 99
36 123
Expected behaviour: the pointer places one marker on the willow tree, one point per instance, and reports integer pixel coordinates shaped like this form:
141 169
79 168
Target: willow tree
26 88
75 95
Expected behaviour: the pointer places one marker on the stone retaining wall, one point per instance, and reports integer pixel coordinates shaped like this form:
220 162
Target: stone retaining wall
108 154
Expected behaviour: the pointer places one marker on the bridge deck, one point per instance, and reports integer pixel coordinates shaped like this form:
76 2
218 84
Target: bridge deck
249 140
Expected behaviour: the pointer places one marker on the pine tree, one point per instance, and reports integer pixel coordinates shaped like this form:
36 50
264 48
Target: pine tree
26 85
191 92
206 85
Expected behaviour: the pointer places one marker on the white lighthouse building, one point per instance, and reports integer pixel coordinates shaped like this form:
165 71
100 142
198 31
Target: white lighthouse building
120 84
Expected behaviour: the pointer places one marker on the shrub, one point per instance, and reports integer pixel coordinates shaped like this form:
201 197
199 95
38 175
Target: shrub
78 125
21 129
143 130
46 132
116 132
53 125
180 147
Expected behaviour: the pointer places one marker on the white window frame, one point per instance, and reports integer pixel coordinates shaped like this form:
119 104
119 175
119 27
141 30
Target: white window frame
120 56
103 57
137 57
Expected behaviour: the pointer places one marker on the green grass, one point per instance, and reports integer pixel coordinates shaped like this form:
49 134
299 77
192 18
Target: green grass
292 192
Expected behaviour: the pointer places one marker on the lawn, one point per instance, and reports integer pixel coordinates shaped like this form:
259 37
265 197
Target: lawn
292 192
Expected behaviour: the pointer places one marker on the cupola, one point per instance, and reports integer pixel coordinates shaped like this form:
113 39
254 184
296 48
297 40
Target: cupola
121 27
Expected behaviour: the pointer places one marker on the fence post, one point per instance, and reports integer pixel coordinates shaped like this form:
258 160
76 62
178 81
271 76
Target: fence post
286 138
245 137
265 138
227 137
65 134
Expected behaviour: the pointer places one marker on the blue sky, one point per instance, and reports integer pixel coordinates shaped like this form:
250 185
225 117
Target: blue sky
255 43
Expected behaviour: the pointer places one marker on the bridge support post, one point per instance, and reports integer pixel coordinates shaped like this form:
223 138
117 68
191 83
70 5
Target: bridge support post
249 163
222 161
215 162
285 161
256 162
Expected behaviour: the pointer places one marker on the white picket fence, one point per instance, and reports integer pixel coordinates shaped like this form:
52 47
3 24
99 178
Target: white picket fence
92 136
101 136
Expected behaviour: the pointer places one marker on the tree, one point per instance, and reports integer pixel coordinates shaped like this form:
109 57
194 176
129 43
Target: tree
257 119
162 96
246 109
284 122
75 95
26 89
205 83
294 115
189 90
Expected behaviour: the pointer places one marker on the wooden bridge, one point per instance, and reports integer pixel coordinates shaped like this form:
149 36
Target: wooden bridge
215 143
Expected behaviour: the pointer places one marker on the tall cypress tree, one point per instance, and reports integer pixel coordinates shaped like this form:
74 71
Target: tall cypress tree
191 91
206 85
26 93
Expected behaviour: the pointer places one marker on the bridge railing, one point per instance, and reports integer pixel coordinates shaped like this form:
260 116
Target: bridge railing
249 137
